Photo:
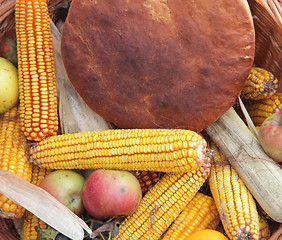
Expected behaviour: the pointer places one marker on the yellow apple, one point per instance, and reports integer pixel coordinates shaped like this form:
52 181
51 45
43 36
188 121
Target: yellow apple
9 85
66 186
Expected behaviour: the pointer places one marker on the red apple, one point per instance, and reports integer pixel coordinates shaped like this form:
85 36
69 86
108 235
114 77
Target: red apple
270 136
67 187
109 193
8 47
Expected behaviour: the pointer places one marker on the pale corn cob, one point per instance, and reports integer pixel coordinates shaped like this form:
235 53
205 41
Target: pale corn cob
162 204
161 150
235 204
264 229
260 110
13 158
30 220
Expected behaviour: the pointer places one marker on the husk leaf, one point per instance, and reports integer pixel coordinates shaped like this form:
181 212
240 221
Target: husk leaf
261 174
43 205
248 118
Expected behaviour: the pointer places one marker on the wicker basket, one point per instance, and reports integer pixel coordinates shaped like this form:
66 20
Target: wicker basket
8 230
267 15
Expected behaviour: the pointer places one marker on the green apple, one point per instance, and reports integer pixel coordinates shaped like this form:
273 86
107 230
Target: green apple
67 187
9 85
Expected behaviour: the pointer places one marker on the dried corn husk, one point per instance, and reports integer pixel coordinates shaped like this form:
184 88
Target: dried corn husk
261 174
43 205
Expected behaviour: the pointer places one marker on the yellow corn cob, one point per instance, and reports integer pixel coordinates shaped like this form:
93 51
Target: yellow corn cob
260 110
162 204
147 179
201 213
37 82
264 229
13 158
30 220
261 84
234 202
160 150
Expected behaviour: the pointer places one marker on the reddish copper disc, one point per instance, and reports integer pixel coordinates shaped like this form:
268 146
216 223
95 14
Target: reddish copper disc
159 64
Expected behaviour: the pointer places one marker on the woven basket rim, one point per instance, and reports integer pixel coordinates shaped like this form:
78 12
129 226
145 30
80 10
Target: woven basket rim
273 7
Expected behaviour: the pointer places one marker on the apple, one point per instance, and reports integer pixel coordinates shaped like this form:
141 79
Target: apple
9 85
67 187
109 193
270 136
8 47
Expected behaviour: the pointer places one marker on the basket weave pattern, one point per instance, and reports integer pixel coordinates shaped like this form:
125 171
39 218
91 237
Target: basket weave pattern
267 16
7 230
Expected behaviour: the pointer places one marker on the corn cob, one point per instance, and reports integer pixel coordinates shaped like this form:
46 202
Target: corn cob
147 179
260 110
163 203
261 84
30 220
13 158
261 174
235 204
201 213
37 82
160 150
264 229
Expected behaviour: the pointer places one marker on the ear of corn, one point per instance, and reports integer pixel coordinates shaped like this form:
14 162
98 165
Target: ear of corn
235 204
13 158
260 110
264 229
201 213
250 162
147 179
162 204
36 72
161 150
30 220
261 84
30 224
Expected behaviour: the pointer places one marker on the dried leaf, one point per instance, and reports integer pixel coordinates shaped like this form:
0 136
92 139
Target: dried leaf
261 174
109 226
43 205
248 118
45 234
